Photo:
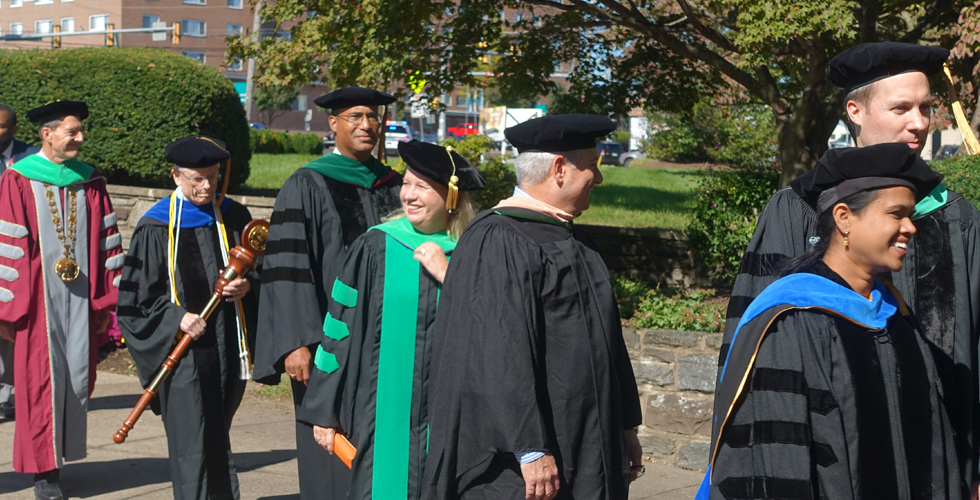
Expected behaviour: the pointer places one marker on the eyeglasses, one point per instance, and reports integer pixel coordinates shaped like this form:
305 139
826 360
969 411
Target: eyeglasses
355 119
197 179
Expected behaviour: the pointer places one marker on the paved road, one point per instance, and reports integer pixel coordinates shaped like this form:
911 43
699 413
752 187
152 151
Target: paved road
262 439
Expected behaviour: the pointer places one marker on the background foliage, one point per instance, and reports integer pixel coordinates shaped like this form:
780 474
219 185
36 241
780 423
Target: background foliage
140 100
676 309
962 175
275 142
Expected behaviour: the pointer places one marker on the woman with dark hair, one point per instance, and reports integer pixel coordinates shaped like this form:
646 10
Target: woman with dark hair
828 390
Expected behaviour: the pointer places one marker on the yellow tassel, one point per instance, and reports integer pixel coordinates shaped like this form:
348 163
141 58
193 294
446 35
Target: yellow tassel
453 195
969 140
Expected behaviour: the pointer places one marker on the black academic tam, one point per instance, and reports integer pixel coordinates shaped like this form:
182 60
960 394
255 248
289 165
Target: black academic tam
354 96
869 62
196 151
58 110
559 133
439 164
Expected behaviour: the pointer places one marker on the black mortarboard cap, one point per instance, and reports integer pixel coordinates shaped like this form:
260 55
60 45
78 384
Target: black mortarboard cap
558 133
196 151
58 110
851 170
354 96
869 62
433 161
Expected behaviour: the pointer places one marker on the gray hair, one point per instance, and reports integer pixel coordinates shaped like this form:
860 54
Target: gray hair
863 96
11 113
51 124
532 167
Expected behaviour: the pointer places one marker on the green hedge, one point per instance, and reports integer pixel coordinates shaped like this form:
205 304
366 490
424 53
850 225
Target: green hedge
140 99
962 175
272 142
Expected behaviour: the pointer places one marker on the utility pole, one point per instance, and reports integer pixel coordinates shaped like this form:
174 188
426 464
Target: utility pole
250 78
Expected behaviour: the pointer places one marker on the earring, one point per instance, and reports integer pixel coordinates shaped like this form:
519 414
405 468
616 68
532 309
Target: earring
847 244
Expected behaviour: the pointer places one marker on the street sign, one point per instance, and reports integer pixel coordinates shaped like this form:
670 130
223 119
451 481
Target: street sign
420 106
160 36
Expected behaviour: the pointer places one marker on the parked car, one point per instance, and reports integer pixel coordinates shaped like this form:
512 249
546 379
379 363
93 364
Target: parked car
463 129
610 151
397 132
946 151
256 126
628 157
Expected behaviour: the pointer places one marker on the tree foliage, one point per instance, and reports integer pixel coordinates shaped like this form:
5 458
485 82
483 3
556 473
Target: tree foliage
666 55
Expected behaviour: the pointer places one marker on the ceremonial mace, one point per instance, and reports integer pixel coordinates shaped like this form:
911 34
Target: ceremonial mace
241 260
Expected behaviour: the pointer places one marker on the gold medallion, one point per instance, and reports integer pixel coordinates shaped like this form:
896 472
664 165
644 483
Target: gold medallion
66 269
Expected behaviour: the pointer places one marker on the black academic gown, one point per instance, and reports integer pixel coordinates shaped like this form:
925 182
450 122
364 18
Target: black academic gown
199 399
314 220
345 395
940 280
831 409
529 356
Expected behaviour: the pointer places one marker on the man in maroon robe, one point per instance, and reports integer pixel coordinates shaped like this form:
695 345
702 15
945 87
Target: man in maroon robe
60 259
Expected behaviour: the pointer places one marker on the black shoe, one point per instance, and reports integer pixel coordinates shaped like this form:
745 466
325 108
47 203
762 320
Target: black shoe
46 486
7 410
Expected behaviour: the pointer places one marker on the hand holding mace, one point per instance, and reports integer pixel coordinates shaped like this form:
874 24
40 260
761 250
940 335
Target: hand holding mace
241 260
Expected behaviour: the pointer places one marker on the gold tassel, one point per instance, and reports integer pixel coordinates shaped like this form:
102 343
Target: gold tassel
453 195
969 139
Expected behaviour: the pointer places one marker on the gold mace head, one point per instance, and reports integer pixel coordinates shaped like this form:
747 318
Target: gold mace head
255 235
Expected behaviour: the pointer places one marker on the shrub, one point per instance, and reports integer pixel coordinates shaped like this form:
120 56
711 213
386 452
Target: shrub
679 310
306 143
962 175
499 176
273 142
140 100
622 137
726 209
629 293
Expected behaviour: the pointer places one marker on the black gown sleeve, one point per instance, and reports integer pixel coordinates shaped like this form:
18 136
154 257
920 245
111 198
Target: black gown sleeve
303 233
489 379
782 232
349 336
149 321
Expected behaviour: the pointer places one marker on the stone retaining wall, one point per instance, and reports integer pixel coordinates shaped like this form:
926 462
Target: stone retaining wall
675 370
675 373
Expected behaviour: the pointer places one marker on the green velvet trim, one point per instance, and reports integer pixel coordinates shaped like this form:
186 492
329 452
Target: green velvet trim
343 294
935 200
349 170
396 371
37 168
335 329
406 234
325 361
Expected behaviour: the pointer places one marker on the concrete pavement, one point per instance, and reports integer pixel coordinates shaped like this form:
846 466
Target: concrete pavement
262 438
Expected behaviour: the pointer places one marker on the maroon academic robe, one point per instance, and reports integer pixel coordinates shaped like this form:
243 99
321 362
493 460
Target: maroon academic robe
55 348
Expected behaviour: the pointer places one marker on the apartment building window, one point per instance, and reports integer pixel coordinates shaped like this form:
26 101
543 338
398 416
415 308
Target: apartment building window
43 2
195 2
299 104
234 4
16 29
98 22
67 24
149 20
42 27
518 17
193 27
234 66
16 3
197 56
234 29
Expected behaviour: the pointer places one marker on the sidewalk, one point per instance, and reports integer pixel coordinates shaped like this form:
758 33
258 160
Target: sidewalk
262 438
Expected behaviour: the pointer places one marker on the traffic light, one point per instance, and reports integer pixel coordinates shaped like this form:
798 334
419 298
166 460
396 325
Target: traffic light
110 38
56 40
176 34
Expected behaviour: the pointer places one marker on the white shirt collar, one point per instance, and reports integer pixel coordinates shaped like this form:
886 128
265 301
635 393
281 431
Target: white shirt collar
9 153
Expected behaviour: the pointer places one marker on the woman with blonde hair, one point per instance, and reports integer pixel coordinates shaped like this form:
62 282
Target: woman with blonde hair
372 365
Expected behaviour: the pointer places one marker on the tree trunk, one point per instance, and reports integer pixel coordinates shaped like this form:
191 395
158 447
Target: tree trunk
802 133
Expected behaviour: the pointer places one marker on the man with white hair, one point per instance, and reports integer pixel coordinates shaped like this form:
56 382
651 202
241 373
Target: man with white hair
532 393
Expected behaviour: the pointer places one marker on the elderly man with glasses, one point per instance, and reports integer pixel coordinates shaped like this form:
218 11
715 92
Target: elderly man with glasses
320 211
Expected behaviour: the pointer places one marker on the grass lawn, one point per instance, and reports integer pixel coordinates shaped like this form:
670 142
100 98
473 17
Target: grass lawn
642 197
270 171
630 197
